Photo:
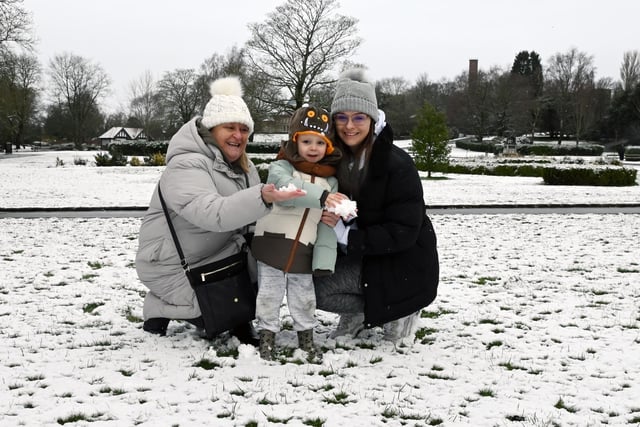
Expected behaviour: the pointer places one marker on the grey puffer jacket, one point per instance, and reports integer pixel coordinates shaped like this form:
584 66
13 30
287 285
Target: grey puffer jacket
211 204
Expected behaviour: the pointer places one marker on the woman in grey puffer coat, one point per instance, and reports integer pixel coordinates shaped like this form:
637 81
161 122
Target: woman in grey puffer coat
213 194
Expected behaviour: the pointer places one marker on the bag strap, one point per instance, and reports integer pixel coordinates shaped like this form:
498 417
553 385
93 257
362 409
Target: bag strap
294 247
183 261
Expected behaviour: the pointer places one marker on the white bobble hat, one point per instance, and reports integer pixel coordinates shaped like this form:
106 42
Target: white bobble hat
226 104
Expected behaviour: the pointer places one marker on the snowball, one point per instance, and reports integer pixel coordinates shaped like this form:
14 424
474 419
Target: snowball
347 209
290 188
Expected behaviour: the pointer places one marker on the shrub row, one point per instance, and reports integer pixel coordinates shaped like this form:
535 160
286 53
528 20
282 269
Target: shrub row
551 175
105 159
137 148
535 150
498 170
480 147
619 177
149 148
263 148
561 150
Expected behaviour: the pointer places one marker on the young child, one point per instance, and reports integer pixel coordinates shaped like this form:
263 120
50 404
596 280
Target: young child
291 244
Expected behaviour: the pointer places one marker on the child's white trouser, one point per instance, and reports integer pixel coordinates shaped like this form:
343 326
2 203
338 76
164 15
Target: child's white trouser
301 298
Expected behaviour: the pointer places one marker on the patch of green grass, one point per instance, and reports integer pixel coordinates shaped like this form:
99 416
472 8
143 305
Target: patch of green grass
495 343
265 401
89 276
73 418
128 314
276 420
339 398
390 412
366 345
514 418
96 265
627 270
434 314
437 376
126 372
483 280
113 391
560 404
238 392
375 359
314 422
326 372
88 308
489 322
207 364
49 274
36 377
486 392
511 367
228 352
423 335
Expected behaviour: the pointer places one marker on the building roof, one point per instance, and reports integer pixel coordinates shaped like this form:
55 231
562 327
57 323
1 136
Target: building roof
124 133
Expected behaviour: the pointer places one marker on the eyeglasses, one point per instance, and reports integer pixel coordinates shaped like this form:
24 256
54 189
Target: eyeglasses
356 119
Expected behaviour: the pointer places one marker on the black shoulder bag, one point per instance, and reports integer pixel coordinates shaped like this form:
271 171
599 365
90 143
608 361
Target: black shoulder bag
224 291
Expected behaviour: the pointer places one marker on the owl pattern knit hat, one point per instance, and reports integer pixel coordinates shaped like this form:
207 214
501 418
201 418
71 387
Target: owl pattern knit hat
226 104
309 119
354 92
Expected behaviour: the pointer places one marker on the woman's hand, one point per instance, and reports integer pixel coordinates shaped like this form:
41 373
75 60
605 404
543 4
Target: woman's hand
271 195
329 218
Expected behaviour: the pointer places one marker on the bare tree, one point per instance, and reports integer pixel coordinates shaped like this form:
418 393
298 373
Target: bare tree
15 25
77 84
180 97
630 70
145 105
19 75
299 44
217 66
571 77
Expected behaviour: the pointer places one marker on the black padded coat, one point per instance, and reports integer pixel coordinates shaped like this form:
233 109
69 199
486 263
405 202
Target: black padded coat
395 237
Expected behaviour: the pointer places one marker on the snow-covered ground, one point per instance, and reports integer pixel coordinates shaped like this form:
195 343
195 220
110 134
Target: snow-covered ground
536 323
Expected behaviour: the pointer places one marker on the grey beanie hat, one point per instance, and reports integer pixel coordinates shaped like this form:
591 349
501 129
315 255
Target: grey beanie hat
354 92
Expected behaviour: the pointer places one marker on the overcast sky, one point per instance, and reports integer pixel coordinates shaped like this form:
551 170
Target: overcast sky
401 38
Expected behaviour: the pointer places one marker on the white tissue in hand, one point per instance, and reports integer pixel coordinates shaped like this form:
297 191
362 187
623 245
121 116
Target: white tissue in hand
347 209
290 188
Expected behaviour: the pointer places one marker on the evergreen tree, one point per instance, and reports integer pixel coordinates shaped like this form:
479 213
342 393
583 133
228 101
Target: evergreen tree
429 140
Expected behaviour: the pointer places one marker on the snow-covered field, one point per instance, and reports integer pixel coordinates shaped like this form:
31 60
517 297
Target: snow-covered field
536 323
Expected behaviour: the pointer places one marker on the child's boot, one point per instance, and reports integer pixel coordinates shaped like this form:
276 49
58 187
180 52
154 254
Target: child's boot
267 344
305 342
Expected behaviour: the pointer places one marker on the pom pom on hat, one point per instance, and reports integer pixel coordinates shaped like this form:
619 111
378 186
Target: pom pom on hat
354 92
226 104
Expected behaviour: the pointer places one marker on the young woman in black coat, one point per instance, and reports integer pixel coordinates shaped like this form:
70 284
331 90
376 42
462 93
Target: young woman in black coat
387 267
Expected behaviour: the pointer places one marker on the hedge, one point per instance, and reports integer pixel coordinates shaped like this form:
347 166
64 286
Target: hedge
561 150
137 148
619 177
534 149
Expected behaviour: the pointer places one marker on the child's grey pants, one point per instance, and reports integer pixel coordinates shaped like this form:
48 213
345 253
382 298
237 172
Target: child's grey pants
301 298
